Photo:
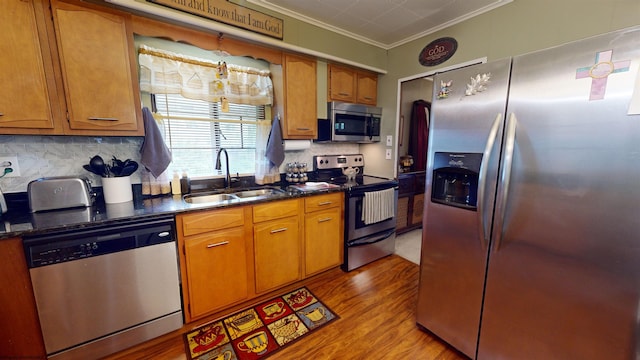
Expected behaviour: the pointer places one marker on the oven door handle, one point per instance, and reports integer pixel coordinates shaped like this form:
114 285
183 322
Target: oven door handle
360 192
369 241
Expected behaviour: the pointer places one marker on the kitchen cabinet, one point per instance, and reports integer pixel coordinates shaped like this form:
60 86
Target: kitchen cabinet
300 98
410 201
277 244
216 259
352 85
28 97
324 235
231 255
95 47
20 335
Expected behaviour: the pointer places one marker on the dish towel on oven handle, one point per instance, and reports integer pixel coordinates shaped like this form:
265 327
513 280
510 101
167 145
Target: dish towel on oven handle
378 205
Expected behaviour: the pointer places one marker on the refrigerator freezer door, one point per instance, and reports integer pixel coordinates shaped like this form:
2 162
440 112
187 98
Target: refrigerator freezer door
452 269
564 280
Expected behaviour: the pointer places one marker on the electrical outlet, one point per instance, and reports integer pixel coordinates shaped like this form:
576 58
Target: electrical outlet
9 162
388 154
389 140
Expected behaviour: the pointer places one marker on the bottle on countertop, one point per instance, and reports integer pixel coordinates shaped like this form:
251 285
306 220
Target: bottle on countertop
175 184
185 184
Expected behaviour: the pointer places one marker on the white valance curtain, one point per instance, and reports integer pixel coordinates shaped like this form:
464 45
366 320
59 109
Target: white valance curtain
165 72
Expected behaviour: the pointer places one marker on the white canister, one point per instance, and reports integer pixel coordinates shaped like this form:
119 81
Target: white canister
117 189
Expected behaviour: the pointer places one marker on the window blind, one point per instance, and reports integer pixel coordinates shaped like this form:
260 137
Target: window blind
195 130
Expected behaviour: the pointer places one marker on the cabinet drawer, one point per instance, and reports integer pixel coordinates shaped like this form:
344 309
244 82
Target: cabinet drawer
406 184
319 202
199 223
275 210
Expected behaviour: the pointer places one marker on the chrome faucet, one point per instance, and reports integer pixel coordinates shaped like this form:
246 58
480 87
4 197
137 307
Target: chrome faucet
227 179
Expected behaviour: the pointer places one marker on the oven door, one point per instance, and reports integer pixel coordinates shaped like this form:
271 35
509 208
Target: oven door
356 227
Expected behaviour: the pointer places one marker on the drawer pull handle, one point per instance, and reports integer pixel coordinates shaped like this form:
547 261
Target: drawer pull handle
1 114
325 219
324 203
343 94
279 230
303 129
102 119
217 244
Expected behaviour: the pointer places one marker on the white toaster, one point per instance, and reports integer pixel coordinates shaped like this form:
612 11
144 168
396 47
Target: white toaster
62 192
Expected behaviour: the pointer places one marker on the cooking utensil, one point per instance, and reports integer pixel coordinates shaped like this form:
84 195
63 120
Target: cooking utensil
98 165
90 169
129 169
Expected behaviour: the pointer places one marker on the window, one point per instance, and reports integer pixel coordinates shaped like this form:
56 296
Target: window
194 135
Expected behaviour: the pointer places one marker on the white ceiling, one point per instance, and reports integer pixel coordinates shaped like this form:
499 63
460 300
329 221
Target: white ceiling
384 23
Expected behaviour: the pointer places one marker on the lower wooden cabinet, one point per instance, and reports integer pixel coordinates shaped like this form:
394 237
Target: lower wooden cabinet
324 232
276 253
20 335
410 201
217 260
231 255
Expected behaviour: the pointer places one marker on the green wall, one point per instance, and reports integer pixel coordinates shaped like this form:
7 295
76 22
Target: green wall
516 28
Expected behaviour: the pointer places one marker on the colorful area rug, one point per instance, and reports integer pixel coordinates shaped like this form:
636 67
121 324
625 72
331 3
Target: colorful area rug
259 331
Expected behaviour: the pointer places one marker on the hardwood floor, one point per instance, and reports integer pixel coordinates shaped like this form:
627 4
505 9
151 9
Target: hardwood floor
376 305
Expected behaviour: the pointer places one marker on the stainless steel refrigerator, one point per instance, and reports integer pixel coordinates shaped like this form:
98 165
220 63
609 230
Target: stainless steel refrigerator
531 236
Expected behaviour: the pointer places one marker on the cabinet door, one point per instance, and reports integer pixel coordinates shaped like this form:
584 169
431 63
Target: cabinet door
324 239
418 209
98 74
27 72
277 253
342 84
300 120
367 88
20 334
216 270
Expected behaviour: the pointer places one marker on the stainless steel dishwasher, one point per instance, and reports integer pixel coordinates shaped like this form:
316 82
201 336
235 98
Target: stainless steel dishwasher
103 289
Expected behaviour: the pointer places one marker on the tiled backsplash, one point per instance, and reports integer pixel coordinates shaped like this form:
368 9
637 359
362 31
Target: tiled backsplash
46 156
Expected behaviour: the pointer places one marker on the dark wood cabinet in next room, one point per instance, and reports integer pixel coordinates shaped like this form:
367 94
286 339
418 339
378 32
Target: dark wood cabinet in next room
410 201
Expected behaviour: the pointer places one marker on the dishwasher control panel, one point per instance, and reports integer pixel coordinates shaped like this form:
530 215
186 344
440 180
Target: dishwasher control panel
48 254
72 245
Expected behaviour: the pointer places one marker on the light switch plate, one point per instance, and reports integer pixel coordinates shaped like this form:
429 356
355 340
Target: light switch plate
387 155
389 140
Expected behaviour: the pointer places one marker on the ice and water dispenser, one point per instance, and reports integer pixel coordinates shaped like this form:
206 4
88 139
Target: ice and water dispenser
455 179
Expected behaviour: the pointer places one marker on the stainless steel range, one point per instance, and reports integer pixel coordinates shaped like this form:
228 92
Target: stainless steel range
370 210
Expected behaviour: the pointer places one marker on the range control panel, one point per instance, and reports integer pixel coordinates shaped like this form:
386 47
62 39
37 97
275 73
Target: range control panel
323 162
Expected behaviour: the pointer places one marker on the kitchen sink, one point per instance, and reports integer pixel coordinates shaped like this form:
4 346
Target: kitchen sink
246 194
238 195
207 198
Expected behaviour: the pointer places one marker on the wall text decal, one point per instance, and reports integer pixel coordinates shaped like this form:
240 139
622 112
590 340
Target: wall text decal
230 14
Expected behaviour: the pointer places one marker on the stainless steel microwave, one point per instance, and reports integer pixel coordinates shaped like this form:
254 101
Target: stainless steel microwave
350 123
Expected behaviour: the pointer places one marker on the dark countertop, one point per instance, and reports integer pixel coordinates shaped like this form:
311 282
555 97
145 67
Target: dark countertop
19 221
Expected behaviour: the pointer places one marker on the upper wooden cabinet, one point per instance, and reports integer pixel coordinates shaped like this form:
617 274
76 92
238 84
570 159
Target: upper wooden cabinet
300 98
352 85
28 102
367 88
95 47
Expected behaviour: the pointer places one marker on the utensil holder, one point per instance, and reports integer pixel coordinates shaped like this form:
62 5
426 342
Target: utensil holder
117 189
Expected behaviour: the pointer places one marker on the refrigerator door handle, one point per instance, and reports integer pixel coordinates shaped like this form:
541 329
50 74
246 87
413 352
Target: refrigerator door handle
482 179
505 176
